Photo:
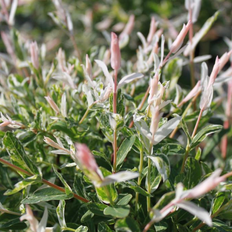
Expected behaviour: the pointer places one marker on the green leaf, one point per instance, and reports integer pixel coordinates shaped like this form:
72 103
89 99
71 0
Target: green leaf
164 200
68 190
60 211
23 184
96 208
202 134
17 153
162 164
124 149
102 227
161 226
127 224
198 154
218 201
125 200
213 142
221 226
155 183
47 194
139 190
82 229
10 222
172 72
103 192
117 211
193 173
62 126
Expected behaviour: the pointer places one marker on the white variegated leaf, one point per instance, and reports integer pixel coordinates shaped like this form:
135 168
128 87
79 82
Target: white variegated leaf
142 38
12 12
199 35
43 222
166 129
197 211
63 107
104 69
119 177
200 59
129 78
162 166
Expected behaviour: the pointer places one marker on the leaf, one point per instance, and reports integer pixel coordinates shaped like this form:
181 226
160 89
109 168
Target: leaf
200 34
23 184
96 208
129 78
221 226
17 153
172 71
155 184
47 194
125 200
213 142
119 177
202 134
162 164
102 227
124 149
164 200
43 222
127 224
193 173
166 129
218 201
102 191
103 67
82 229
117 211
62 126
197 211
139 190
60 211
10 222
68 190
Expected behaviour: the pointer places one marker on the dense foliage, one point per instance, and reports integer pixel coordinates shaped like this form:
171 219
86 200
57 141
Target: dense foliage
106 134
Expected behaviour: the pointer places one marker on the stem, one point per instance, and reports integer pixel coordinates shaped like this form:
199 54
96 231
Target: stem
43 180
149 176
197 123
140 173
9 212
115 112
85 115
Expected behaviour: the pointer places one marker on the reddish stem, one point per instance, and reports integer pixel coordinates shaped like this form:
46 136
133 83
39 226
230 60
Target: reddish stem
43 180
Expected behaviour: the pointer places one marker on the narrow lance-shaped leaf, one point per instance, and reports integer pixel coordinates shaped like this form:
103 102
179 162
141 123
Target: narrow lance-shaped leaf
68 190
124 149
109 78
17 153
166 129
119 177
23 184
129 78
60 211
199 212
199 35
43 222
162 164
